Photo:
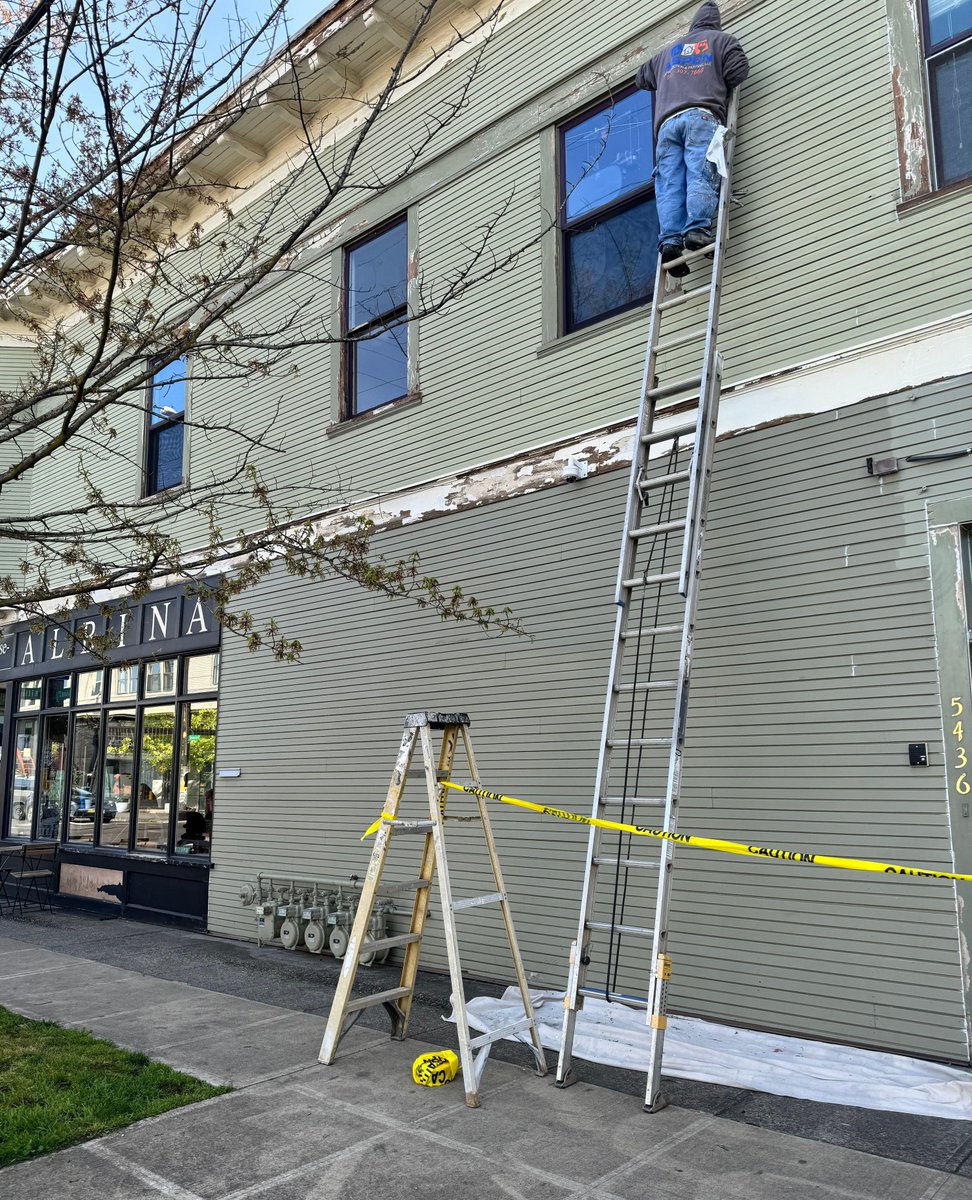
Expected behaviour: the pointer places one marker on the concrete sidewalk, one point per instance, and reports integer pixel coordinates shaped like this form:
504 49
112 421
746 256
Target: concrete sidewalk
362 1129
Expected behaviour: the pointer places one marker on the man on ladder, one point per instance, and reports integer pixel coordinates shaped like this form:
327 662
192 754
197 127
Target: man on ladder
691 79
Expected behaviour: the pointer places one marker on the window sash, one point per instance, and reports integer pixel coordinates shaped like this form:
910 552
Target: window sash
357 334
933 48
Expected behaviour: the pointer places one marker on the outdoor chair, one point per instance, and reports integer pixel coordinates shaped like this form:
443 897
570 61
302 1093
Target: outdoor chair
27 875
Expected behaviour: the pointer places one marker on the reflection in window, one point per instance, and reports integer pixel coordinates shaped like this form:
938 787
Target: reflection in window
124 683
160 678
202 673
166 427
90 684
197 757
374 317
57 691
30 695
26 732
53 776
608 219
84 777
948 54
117 777
154 792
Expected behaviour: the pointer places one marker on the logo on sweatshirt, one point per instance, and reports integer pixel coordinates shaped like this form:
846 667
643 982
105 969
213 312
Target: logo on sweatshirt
689 58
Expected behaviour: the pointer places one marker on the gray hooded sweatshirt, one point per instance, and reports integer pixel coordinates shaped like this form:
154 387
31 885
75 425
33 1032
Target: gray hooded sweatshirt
697 71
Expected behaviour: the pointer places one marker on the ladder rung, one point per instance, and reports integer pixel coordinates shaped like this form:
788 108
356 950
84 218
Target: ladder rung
648 580
633 800
626 862
684 297
681 339
657 685
376 997
687 383
627 1001
607 927
389 943
476 901
662 527
495 1035
690 256
669 434
651 631
657 481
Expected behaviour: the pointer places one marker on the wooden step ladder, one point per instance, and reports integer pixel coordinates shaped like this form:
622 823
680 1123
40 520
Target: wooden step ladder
397 1002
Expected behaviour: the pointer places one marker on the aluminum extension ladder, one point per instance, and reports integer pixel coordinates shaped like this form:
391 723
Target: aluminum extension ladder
640 759
397 1001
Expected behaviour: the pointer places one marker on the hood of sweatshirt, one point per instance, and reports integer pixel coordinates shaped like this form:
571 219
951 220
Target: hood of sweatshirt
708 17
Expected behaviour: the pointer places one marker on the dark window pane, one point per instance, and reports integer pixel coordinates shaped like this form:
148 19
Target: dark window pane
948 19
84 777
165 457
169 391
57 691
951 93
611 264
53 776
376 276
379 366
608 155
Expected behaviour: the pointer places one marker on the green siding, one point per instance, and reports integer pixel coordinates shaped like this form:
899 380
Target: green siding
816 666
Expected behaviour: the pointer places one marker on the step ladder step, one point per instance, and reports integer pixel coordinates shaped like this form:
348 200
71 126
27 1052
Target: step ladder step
360 1002
607 927
636 863
497 1035
649 580
659 481
695 334
654 530
684 298
391 942
688 383
387 890
654 436
644 631
412 826
478 901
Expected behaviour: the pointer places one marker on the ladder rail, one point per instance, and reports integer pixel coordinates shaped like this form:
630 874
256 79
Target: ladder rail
697 478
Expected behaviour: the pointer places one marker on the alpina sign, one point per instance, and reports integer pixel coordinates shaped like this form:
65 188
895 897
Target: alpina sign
162 624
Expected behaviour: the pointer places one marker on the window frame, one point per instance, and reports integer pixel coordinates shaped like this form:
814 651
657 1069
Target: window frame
155 428
390 319
930 51
568 227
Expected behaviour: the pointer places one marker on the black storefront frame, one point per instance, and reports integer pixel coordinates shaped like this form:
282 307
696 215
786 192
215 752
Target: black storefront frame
170 623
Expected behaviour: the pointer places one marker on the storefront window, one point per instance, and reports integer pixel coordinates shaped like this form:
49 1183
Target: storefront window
25 774
53 775
197 757
117 778
84 777
90 687
124 683
154 794
30 696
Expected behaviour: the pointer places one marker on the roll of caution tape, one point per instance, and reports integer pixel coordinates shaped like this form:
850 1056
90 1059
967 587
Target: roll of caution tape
706 843
435 1068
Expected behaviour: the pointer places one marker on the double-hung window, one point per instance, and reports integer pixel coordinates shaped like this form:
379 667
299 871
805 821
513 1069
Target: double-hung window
948 61
609 229
165 442
375 319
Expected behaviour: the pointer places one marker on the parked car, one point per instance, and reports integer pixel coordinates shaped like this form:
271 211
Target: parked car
82 806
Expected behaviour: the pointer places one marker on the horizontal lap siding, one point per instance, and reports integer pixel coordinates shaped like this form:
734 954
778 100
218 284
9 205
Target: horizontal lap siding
815 668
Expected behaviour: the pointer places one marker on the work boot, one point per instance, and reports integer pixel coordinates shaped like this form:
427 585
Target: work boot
698 239
669 251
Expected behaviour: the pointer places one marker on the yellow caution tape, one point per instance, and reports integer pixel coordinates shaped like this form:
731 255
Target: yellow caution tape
704 843
436 1068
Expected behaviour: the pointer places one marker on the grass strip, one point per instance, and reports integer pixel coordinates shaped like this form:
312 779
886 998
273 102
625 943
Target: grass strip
63 1086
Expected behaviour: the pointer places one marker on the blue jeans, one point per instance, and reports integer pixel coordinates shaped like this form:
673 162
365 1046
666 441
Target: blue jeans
686 184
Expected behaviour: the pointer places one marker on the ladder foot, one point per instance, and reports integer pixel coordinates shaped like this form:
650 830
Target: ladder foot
565 1080
657 1104
472 1100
